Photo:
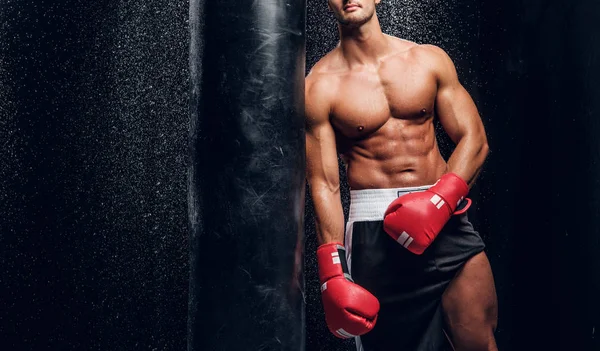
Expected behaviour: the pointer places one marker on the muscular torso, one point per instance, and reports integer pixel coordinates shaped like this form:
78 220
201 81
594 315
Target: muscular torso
383 119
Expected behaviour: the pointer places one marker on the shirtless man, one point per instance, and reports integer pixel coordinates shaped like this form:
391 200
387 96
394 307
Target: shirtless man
418 271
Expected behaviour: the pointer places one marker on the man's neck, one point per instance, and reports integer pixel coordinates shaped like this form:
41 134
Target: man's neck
364 44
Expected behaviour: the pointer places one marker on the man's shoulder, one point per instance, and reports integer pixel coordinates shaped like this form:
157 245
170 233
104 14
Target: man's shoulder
330 64
324 74
421 53
319 90
429 52
435 60
401 45
430 57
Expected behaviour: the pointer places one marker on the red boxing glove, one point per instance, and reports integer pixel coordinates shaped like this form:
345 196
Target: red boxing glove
414 220
350 310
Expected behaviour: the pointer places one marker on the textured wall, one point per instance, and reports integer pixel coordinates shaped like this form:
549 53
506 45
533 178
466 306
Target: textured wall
93 128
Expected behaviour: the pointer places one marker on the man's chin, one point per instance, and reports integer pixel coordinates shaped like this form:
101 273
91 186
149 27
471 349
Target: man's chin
352 22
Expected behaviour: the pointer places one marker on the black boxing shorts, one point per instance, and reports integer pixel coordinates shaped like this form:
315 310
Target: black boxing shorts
409 287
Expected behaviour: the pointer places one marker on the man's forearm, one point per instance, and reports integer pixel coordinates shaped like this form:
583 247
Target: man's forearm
468 157
329 214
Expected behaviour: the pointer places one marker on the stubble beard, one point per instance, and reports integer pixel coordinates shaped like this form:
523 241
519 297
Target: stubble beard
352 23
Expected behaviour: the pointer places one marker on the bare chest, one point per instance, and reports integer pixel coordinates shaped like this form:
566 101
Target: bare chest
366 100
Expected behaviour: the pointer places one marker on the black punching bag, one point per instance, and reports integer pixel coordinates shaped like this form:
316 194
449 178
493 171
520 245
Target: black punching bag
246 179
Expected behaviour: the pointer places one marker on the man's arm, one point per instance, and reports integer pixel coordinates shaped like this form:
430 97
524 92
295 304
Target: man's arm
459 117
322 164
350 310
415 219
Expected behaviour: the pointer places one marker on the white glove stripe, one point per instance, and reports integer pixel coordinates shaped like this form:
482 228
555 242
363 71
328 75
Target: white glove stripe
335 257
403 237
440 204
435 199
408 242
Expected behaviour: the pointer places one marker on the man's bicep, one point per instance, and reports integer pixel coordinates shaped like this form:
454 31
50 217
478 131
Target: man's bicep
321 156
457 112
455 107
321 152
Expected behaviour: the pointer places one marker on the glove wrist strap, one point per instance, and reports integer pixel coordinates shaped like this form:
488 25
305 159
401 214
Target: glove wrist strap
452 189
331 259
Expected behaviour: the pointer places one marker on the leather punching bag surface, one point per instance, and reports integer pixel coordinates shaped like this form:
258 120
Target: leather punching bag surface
246 181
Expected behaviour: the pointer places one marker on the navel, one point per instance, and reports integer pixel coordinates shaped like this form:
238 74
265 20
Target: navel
423 111
360 128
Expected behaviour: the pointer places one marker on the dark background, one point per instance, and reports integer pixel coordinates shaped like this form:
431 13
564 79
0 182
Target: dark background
93 133
93 127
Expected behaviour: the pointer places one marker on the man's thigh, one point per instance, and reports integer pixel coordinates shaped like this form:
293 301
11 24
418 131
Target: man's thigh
470 306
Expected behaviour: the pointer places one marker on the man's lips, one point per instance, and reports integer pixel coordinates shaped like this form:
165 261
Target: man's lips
351 7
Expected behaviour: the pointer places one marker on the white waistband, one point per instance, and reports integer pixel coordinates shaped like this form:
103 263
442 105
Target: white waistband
370 204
